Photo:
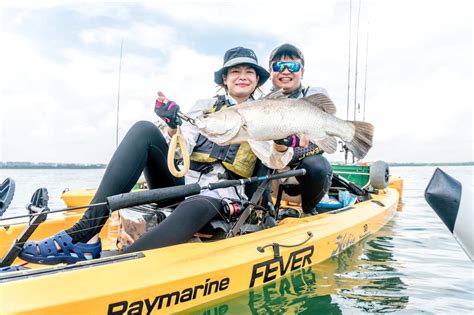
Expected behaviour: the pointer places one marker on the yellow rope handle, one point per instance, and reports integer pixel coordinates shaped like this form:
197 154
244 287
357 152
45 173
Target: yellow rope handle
175 140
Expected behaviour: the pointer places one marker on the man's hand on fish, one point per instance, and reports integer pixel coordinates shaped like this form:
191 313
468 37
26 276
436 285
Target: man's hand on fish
167 110
304 140
294 141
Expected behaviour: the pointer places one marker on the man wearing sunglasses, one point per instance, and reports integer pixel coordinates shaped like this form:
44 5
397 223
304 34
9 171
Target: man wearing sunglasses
286 72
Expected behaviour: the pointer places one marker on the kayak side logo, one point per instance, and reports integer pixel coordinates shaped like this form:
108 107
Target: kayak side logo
165 300
343 242
268 270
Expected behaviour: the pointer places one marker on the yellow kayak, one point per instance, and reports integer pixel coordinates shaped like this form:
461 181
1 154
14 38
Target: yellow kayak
79 197
180 277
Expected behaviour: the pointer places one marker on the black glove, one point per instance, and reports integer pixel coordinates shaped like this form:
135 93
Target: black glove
168 111
292 141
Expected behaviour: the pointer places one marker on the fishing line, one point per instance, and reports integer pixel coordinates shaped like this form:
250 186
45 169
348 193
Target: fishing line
86 229
37 224
54 211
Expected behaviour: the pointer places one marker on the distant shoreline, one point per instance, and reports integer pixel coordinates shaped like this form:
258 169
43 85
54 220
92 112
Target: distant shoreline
29 165
432 164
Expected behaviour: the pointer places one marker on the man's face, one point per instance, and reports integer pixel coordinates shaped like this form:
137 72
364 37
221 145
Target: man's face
286 80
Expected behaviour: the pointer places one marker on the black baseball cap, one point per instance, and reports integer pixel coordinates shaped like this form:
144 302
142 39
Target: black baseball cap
288 48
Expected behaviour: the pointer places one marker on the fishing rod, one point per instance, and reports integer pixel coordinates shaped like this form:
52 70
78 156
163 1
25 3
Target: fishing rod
356 73
153 195
118 95
349 62
365 75
131 199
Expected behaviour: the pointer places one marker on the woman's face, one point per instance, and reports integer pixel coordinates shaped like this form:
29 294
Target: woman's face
241 82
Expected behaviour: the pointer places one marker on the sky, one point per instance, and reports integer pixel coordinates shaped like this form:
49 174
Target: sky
60 64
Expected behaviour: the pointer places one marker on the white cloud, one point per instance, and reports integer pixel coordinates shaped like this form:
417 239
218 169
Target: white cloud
145 35
250 16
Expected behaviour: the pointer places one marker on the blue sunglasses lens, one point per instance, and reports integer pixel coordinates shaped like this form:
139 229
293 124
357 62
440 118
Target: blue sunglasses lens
292 66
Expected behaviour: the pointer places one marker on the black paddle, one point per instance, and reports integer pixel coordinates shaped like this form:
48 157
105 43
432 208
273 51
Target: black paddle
7 190
450 200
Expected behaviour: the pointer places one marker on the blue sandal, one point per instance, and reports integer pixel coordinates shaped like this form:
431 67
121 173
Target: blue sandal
45 251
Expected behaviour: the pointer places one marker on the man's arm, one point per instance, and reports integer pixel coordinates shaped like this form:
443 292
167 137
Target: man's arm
271 154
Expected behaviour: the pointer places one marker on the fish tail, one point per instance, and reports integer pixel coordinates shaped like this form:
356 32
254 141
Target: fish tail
362 141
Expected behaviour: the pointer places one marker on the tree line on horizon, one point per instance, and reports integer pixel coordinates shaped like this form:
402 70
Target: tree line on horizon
45 165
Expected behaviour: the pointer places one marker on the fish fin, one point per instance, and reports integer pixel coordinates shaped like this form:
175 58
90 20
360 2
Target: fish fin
328 144
362 141
322 101
275 95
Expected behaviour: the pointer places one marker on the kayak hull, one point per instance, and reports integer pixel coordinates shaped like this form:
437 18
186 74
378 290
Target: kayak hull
78 197
179 277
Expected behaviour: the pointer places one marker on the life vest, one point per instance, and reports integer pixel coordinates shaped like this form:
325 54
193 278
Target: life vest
236 158
303 90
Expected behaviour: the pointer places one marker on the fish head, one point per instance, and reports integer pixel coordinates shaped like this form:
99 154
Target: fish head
220 127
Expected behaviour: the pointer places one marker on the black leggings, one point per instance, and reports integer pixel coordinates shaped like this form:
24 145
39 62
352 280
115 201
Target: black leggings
142 149
316 182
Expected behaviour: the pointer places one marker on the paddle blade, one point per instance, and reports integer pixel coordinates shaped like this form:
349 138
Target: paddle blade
443 194
7 190
446 196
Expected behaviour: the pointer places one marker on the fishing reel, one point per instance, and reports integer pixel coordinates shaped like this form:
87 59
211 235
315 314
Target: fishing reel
232 208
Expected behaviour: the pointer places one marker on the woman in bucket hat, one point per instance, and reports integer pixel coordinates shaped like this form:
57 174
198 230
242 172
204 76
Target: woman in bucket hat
144 149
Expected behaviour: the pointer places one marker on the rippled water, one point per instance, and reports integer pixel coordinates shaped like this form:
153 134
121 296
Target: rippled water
412 266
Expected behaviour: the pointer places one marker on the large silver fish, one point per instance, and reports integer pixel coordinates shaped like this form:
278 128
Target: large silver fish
276 117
